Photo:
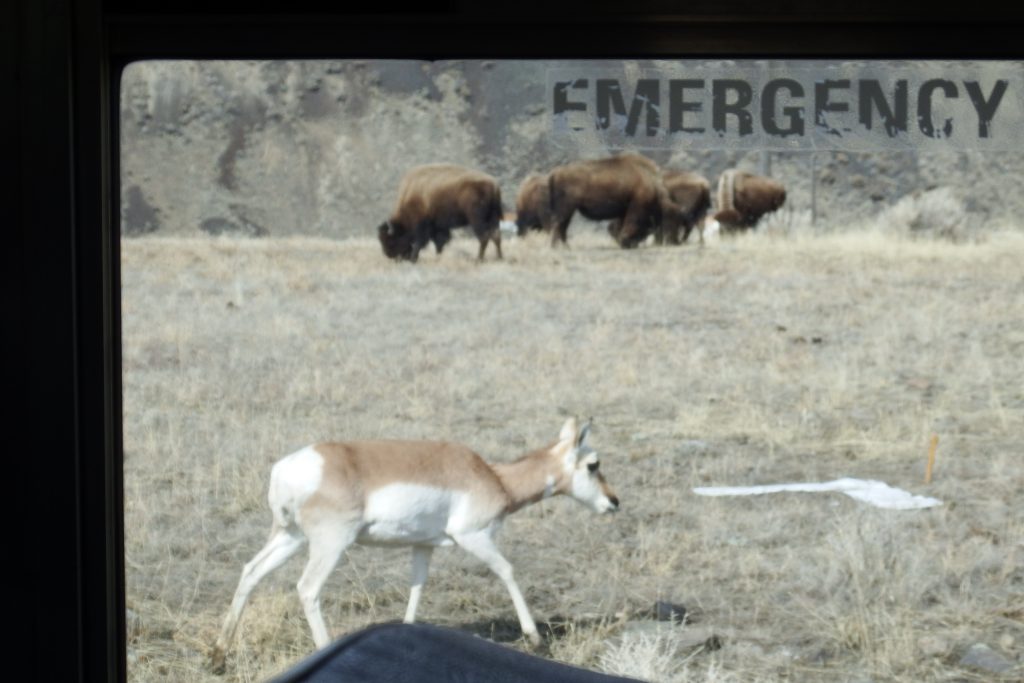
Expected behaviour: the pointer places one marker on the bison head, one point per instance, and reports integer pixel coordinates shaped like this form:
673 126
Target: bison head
757 197
395 240
780 198
774 197
766 196
527 221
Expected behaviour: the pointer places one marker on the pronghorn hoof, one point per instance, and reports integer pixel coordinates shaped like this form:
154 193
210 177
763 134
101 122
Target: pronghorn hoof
534 638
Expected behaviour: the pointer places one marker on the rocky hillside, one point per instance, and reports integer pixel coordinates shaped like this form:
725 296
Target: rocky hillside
318 147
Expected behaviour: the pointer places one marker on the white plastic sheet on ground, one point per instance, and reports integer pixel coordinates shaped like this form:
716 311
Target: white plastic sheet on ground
876 493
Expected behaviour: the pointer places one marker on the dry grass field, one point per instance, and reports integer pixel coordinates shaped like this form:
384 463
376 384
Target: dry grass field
757 360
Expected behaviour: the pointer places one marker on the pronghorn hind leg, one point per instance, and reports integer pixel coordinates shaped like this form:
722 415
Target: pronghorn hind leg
481 545
420 568
283 543
325 548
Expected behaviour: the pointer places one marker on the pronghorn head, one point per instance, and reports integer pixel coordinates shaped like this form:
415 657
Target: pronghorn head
582 469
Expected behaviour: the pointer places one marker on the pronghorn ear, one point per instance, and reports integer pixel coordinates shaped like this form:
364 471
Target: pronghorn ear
569 430
583 433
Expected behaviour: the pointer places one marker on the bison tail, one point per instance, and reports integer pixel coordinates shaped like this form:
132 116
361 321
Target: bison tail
703 205
551 193
497 210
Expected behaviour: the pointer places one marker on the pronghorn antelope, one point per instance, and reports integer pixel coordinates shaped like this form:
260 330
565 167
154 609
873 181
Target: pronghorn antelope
422 494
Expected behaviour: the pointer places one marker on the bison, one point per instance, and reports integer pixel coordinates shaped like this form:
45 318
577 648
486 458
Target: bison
743 198
687 200
433 199
532 203
626 187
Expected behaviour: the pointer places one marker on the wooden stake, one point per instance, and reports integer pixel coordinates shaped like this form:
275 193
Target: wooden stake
931 458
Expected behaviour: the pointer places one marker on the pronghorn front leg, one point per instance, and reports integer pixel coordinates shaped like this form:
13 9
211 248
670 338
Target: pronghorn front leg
481 545
420 567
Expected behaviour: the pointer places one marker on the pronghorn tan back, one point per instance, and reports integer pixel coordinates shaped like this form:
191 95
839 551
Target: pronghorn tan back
354 469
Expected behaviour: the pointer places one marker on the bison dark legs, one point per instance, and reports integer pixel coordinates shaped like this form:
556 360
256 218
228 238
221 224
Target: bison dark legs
440 237
560 232
636 226
422 236
486 225
668 230
695 219
496 238
627 239
485 236
659 236
687 229
615 228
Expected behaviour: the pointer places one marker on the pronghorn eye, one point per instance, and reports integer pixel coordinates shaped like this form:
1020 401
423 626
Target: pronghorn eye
592 466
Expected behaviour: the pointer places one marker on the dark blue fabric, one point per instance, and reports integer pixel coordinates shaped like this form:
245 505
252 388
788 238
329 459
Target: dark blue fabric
421 653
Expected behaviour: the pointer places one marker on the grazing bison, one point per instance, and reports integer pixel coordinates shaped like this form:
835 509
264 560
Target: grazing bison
532 203
435 198
626 188
687 200
744 197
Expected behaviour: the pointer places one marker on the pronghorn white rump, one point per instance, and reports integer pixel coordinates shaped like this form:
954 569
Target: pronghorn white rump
421 494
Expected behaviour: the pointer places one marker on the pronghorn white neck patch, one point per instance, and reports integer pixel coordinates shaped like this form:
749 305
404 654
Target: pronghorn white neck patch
570 458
